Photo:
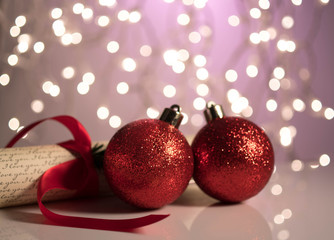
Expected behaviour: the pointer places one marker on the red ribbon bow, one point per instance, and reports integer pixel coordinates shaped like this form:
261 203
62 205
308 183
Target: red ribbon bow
78 174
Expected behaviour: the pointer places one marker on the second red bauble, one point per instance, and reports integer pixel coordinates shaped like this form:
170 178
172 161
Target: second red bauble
234 158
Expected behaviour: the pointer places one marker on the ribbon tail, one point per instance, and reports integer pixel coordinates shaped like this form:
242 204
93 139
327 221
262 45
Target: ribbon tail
100 224
57 174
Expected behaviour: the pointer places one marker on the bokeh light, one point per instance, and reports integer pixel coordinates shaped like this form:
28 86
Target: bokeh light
83 88
78 8
232 95
20 21
271 105
115 121
56 13
298 105
102 112
200 60
202 90
54 90
103 21
4 79
287 22
123 15
234 20
316 105
134 16
145 50
231 75
169 91
37 106
88 78
252 71
68 72
202 73
113 46
13 60
324 160
329 113
129 64
183 19
199 103
276 189
13 124
255 13
14 31
39 47
297 165
297 2
194 37
87 14
122 88
152 112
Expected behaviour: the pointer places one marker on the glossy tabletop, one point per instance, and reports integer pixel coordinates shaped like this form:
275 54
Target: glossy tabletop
296 204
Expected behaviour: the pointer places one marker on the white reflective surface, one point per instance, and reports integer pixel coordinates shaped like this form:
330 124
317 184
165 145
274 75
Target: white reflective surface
294 205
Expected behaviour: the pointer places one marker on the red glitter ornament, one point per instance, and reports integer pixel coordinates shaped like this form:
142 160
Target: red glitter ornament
234 158
148 163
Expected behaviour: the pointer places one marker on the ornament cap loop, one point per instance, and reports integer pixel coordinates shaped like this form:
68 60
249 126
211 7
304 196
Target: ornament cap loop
213 111
172 115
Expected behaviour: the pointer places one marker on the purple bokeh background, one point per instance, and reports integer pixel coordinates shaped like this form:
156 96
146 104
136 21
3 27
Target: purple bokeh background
159 28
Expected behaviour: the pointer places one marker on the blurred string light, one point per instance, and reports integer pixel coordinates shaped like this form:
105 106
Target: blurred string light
185 54
284 99
190 62
68 31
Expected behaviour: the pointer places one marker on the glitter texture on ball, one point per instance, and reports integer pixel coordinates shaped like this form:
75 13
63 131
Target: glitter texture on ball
148 163
234 159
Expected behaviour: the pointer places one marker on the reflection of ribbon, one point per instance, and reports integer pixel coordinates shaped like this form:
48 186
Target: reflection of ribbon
78 174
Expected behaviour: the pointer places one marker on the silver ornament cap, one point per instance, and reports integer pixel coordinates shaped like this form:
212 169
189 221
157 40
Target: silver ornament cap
213 111
172 115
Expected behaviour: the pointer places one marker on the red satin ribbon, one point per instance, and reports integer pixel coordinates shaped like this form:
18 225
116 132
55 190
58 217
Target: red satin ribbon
78 174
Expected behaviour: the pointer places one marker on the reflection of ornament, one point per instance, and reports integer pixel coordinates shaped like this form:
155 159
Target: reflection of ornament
148 163
233 222
234 158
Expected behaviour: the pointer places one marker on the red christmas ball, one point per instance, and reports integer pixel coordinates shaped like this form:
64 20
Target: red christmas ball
148 163
233 158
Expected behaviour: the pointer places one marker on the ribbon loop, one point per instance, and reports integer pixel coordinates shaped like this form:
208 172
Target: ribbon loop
78 174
